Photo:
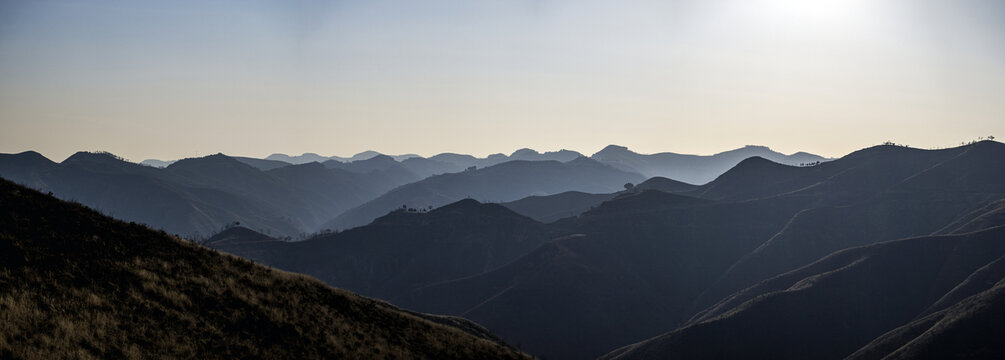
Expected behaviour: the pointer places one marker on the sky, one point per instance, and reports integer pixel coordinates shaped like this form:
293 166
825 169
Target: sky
174 79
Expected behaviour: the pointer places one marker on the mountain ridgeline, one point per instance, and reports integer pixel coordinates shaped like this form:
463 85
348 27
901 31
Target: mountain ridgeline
505 182
199 195
289 196
888 251
77 284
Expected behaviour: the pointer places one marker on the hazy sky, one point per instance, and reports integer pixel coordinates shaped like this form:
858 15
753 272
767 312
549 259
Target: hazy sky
170 79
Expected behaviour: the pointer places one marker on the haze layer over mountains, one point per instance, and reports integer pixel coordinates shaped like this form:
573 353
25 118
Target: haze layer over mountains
889 252
290 196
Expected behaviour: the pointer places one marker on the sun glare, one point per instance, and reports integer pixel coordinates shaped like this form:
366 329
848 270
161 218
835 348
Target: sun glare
815 12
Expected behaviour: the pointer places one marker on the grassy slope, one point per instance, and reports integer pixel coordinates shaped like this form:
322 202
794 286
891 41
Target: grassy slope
76 284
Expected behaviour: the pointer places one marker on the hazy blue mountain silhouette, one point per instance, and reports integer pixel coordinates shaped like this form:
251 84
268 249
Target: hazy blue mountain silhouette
262 164
533 155
382 168
157 163
200 195
508 181
450 163
301 159
366 155
693 169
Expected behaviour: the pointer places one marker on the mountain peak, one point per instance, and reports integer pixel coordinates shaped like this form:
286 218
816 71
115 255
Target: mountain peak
30 156
525 152
365 155
614 149
463 204
377 158
214 161
94 157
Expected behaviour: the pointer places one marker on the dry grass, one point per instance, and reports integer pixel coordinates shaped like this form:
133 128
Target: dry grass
77 285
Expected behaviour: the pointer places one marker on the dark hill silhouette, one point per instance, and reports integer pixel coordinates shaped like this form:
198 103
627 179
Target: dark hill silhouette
915 195
79 284
549 208
676 254
402 250
665 185
634 267
983 218
103 162
504 182
755 178
836 305
693 169
29 168
969 328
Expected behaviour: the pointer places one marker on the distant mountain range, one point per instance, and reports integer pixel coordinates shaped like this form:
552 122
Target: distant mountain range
692 169
202 195
886 251
78 284
444 178
504 182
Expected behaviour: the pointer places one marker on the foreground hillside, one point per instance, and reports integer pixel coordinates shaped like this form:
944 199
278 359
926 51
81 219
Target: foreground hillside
76 284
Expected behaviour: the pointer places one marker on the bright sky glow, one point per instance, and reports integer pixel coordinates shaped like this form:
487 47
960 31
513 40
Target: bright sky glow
171 79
